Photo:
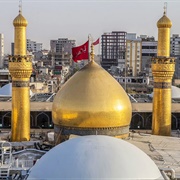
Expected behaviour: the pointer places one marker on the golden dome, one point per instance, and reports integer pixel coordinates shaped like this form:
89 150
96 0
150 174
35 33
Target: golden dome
164 22
20 21
91 98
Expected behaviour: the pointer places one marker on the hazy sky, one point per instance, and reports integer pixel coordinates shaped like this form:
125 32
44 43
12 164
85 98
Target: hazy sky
75 19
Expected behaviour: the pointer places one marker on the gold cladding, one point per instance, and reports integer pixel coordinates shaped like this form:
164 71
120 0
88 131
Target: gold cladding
91 99
162 85
163 68
163 42
20 67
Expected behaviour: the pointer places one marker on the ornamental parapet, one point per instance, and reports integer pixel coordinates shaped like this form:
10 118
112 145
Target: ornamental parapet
19 58
20 66
111 131
162 85
162 75
163 66
163 60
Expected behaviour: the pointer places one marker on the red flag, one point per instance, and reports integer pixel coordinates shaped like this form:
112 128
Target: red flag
96 42
80 52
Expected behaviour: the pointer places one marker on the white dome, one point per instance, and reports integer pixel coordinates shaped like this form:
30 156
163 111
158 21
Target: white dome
175 93
6 90
95 157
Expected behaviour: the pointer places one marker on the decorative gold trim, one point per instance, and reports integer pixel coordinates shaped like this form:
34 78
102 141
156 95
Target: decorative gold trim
163 67
163 75
20 66
163 60
20 83
162 85
113 131
19 58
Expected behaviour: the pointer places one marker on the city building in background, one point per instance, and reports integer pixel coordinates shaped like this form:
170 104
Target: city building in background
113 47
12 49
149 50
175 52
5 77
175 45
1 50
60 53
133 55
33 46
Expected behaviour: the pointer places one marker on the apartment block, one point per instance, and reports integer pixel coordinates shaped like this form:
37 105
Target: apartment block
134 57
1 50
149 50
175 52
33 46
113 48
61 53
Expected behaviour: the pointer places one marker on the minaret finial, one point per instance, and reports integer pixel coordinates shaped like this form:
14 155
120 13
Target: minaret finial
20 6
165 8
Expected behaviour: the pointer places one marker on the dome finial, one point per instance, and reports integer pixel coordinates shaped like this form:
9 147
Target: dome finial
90 38
20 6
165 8
92 52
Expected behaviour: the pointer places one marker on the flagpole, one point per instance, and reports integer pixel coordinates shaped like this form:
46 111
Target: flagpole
88 46
90 39
99 47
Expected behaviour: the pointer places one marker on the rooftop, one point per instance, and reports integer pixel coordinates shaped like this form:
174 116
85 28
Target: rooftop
163 150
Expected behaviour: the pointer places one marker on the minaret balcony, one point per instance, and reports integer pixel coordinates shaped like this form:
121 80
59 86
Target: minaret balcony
20 66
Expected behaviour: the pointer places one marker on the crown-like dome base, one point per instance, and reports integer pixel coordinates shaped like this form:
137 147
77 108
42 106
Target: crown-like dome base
62 133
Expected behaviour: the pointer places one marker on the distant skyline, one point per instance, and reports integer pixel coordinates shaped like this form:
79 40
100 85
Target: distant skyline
75 19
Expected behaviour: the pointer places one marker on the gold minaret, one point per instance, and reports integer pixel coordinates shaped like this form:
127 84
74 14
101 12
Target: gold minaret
163 67
20 67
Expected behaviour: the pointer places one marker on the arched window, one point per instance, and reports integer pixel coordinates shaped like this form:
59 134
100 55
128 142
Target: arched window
137 121
31 121
148 124
6 120
174 122
42 120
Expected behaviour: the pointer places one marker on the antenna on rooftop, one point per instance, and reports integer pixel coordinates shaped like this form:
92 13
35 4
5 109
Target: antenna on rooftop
165 8
20 6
